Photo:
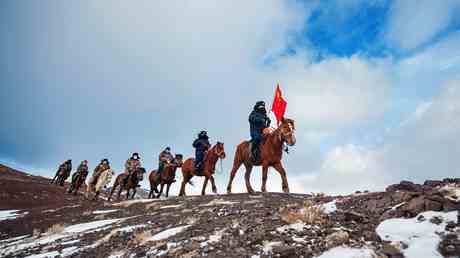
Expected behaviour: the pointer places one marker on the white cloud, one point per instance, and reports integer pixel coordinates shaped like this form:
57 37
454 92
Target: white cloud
412 23
336 91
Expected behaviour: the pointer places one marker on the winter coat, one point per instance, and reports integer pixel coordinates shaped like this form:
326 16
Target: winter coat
132 164
258 121
104 179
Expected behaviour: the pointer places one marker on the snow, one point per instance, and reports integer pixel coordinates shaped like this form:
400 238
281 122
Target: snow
217 202
130 228
268 246
11 214
9 240
330 207
398 205
168 233
78 228
69 251
171 206
347 252
88 227
420 236
103 211
298 226
214 238
44 255
130 202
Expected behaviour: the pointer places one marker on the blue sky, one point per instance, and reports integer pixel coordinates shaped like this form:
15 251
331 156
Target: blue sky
372 85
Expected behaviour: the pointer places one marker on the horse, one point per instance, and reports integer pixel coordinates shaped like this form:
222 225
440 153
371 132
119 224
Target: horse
60 177
166 177
188 168
77 180
271 152
96 184
134 179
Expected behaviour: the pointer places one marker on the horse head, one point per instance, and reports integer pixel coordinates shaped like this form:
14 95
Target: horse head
178 160
287 129
139 173
219 150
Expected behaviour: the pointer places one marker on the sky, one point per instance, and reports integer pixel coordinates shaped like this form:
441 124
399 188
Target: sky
374 86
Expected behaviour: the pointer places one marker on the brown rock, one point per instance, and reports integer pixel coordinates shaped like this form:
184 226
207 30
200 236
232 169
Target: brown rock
433 183
415 206
336 239
391 251
432 205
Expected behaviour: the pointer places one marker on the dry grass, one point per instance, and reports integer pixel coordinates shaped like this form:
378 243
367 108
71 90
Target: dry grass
143 237
308 213
55 229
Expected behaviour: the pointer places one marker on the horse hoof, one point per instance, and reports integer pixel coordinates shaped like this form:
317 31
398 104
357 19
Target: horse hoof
251 191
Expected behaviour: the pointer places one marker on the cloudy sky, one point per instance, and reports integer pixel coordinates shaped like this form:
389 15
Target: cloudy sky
374 86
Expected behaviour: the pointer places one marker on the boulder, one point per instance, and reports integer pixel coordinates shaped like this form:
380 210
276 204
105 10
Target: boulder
404 186
433 183
336 239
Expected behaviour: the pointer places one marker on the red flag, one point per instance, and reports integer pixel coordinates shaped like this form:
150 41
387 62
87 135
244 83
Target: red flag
279 105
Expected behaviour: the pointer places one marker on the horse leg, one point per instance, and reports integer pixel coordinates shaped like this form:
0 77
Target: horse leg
161 190
282 172
213 183
167 190
236 165
203 191
119 191
264 178
247 177
127 193
185 178
113 190
134 193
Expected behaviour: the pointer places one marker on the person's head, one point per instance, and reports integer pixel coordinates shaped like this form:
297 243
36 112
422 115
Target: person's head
260 107
105 161
84 162
69 161
203 135
168 149
135 156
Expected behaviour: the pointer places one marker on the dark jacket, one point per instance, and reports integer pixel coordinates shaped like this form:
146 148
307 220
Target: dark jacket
258 121
201 144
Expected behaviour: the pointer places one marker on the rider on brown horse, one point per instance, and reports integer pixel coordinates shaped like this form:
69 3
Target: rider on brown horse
131 165
79 177
258 121
201 145
164 159
63 172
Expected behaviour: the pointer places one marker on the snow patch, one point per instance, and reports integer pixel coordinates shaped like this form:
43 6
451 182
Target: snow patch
298 226
169 233
330 207
11 214
214 238
44 255
78 228
421 236
218 202
171 206
347 252
131 202
268 246
103 211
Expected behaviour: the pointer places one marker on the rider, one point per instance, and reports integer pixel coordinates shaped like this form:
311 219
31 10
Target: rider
165 158
201 146
131 165
101 167
67 169
258 120
82 171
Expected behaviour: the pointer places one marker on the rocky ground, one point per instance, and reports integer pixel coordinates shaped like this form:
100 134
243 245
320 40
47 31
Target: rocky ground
407 220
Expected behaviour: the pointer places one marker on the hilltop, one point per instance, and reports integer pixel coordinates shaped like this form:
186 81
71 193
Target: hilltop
407 220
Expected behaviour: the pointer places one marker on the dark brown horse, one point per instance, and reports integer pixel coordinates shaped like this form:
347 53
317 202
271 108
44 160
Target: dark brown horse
166 178
271 152
188 168
136 177
77 180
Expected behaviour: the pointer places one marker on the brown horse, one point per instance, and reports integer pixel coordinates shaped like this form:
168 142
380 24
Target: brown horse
271 152
166 178
188 168
136 177
77 180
